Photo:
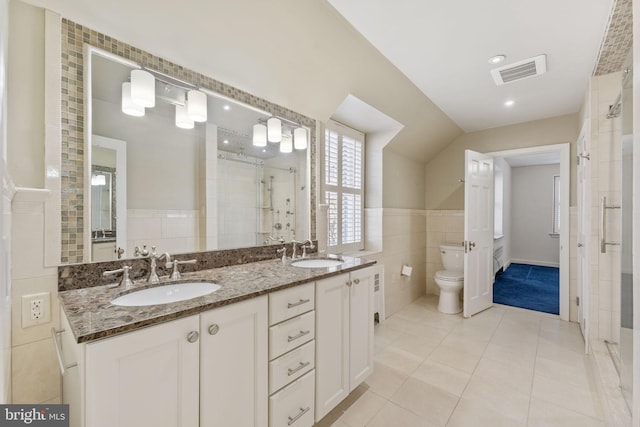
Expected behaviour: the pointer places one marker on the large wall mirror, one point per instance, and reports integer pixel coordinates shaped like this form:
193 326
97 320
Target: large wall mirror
132 181
158 178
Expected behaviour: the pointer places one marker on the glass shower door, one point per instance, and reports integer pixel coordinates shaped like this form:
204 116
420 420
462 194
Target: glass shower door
626 270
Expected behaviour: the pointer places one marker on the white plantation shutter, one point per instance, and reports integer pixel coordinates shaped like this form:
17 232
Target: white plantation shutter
344 186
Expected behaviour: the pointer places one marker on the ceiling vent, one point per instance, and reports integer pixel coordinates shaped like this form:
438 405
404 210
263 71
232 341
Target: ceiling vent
520 70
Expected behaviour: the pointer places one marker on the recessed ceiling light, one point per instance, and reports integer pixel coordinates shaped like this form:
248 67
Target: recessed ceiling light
226 141
509 103
497 59
226 107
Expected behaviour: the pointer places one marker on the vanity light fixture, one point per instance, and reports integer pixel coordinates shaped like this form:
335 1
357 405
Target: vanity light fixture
183 121
197 105
274 130
286 145
143 88
259 135
127 105
300 141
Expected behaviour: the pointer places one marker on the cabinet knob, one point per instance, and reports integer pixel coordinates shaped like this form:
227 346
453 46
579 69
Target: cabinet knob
356 281
349 283
193 336
213 329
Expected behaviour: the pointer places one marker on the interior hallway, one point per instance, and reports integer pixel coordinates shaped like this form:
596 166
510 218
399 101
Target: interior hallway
502 367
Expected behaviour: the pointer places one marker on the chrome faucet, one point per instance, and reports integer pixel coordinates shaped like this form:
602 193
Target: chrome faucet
153 258
307 244
294 244
270 239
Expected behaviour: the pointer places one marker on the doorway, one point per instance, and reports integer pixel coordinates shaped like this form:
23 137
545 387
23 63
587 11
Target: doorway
556 234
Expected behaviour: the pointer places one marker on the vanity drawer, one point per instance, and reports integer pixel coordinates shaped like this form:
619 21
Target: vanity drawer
291 302
292 333
291 366
294 405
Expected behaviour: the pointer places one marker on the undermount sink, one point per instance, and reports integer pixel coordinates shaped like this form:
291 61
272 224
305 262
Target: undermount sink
317 263
166 294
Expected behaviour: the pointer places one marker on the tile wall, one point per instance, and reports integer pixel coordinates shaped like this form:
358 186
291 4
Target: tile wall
400 240
173 231
35 374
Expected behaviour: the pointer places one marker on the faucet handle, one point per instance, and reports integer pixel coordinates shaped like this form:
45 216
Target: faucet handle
126 281
308 245
175 273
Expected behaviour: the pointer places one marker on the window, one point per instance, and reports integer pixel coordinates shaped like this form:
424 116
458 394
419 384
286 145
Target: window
556 205
344 187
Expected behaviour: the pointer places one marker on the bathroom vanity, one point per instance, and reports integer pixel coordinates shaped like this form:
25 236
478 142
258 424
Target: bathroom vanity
276 345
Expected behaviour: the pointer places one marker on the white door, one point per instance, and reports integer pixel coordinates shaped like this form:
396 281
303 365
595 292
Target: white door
478 233
233 365
584 231
145 378
361 326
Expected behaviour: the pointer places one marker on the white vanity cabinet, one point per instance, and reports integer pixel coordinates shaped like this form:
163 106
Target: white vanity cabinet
209 369
233 365
344 336
292 356
144 378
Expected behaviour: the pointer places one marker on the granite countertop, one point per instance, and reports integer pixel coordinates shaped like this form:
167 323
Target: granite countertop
92 316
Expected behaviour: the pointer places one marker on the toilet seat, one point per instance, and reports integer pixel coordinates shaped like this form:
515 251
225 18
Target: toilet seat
450 276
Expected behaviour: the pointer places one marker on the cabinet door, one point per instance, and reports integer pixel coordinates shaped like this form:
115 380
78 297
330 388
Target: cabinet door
144 378
332 343
361 312
234 365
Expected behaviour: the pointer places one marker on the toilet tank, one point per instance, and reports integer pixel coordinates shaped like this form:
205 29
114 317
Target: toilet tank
452 255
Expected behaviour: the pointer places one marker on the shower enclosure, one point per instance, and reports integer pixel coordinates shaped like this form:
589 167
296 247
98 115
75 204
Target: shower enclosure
259 192
626 270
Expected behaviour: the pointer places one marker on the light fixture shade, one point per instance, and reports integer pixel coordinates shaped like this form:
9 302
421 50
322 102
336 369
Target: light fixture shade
183 121
286 145
128 107
300 138
97 180
274 130
259 135
197 105
143 88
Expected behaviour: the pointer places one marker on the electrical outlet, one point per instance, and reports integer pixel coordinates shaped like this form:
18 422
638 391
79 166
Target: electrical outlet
36 309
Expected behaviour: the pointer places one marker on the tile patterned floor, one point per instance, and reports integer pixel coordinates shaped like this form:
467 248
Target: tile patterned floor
502 367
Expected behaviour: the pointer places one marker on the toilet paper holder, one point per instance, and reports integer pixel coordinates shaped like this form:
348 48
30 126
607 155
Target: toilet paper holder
406 270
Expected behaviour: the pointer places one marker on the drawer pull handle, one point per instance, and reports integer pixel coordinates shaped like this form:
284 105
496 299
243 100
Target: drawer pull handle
295 304
302 365
295 337
300 414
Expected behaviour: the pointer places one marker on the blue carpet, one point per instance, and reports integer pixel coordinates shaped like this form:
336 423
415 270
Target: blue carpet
529 286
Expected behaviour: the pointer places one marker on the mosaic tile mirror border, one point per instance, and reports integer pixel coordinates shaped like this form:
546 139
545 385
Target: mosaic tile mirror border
74 36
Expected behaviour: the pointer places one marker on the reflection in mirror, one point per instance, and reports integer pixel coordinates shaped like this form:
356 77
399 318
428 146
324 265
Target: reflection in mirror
190 186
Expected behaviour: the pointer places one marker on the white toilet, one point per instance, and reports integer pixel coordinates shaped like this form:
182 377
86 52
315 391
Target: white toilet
451 279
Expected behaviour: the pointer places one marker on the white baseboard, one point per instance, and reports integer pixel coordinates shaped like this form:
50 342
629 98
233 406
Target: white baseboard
532 262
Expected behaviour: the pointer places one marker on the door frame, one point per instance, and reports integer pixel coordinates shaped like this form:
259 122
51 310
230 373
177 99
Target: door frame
564 150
